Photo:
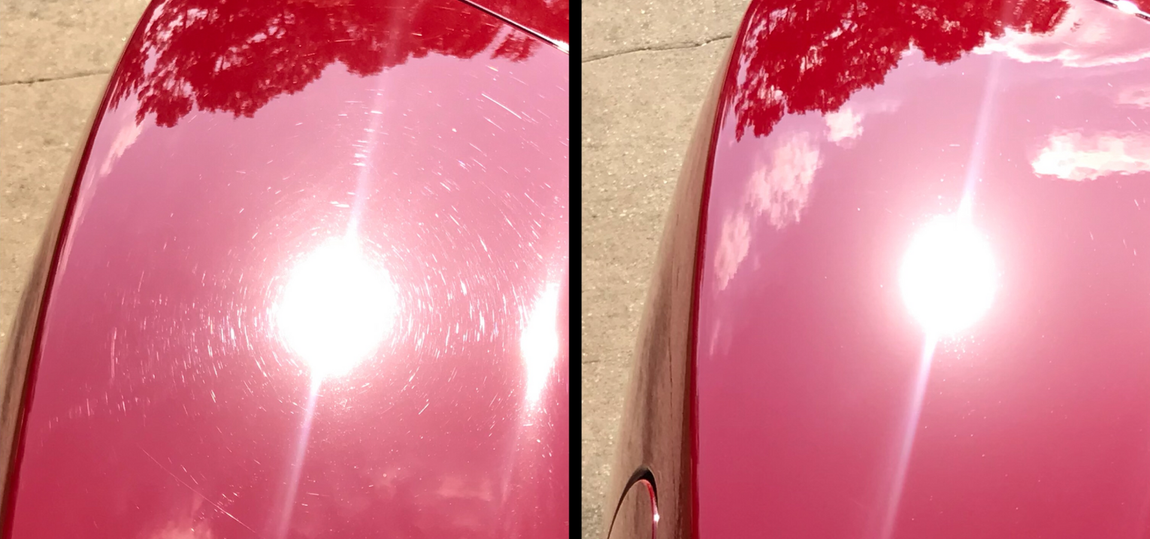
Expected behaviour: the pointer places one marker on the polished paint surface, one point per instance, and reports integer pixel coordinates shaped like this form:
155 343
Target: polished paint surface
314 284
843 390
547 18
654 439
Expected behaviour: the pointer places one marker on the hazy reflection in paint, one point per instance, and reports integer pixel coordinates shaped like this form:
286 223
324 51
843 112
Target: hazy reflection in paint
1080 157
843 47
540 342
293 43
336 308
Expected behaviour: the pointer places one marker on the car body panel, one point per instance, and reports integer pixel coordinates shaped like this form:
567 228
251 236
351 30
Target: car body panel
823 408
14 365
547 18
815 405
654 438
235 144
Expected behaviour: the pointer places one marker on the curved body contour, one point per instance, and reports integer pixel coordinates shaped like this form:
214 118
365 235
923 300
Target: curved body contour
311 281
789 391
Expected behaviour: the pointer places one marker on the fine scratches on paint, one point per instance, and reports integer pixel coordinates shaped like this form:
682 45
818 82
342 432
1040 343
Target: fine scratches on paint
501 105
196 492
112 356
224 330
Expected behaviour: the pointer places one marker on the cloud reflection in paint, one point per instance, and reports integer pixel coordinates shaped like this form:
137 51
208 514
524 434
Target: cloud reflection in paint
844 124
734 242
1090 35
128 134
1139 96
779 188
183 531
1077 157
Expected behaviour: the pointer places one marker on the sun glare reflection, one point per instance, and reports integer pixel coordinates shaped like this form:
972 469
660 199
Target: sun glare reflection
336 309
1126 6
906 444
540 342
948 276
287 505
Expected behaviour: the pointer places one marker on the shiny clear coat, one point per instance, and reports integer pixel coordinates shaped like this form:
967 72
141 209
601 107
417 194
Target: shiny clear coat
783 389
237 140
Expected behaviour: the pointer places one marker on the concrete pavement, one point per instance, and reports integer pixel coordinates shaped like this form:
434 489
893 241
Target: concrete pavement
55 58
646 67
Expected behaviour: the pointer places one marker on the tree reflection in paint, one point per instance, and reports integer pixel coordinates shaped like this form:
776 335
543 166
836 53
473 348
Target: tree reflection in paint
801 56
236 56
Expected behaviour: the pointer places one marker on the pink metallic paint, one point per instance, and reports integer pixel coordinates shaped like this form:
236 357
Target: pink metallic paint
162 400
816 406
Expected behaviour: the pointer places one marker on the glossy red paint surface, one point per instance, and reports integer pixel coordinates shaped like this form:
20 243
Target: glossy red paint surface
181 386
549 18
823 409
654 441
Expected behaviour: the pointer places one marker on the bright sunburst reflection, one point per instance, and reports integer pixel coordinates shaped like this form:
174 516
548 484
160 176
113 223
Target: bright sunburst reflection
1126 6
540 341
336 309
948 276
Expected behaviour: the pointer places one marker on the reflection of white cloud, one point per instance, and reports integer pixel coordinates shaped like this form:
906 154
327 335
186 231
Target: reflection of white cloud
182 531
734 242
453 487
129 131
1137 96
780 188
186 525
1091 34
843 124
1075 157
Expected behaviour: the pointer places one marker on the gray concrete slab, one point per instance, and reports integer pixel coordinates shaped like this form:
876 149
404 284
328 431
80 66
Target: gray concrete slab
646 68
41 127
49 39
619 26
55 57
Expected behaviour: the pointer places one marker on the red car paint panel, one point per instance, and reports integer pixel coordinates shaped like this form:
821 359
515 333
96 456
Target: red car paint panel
550 18
166 400
843 129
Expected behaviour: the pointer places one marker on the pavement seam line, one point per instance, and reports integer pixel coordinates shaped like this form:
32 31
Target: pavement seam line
659 47
50 79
